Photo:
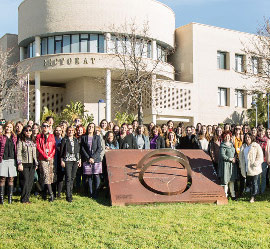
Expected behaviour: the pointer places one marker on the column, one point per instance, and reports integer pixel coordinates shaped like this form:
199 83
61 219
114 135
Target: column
108 94
154 119
108 42
154 49
37 97
38 47
21 53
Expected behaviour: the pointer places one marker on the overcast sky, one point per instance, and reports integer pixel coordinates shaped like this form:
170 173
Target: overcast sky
242 15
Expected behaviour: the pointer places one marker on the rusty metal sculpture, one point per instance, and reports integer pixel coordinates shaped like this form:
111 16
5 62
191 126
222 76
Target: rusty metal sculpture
168 176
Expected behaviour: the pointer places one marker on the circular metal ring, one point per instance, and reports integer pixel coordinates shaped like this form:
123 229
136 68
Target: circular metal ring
161 155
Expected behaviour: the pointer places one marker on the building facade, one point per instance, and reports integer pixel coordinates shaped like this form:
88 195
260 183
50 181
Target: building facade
69 48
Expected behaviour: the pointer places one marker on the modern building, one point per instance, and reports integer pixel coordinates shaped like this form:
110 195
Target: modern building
69 48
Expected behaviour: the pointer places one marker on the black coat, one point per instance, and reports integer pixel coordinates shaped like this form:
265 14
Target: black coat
129 142
96 149
192 143
66 147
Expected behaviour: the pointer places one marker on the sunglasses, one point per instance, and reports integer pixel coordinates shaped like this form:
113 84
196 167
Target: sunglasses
28 130
45 126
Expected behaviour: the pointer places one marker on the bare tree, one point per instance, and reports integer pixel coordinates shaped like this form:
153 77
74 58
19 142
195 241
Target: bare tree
12 85
133 49
257 52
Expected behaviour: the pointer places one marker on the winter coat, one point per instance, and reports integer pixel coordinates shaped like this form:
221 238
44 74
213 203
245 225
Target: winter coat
67 148
214 149
255 160
227 171
129 142
45 150
3 140
191 143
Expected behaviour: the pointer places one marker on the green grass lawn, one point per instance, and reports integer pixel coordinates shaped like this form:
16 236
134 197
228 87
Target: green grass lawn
87 223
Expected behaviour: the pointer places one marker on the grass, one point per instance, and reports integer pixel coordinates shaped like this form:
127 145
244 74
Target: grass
87 223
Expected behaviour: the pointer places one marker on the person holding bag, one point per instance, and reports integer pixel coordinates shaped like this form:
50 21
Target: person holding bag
27 162
91 157
70 159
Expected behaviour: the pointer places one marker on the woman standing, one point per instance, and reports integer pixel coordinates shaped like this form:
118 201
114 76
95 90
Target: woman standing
250 160
156 140
104 126
60 172
227 171
204 139
70 159
35 131
27 162
171 141
126 141
111 141
142 138
8 170
215 146
90 152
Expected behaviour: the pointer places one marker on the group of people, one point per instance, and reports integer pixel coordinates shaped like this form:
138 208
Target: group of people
49 157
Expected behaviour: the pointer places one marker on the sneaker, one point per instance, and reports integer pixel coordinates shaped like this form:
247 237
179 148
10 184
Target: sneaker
252 200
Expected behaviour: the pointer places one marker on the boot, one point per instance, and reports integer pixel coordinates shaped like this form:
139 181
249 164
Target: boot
2 193
10 193
51 198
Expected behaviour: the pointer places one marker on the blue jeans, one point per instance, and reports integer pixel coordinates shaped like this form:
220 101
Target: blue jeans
252 182
262 178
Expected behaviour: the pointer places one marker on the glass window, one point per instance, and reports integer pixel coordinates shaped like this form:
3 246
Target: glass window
84 43
58 44
149 50
101 43
159 52
51 45
34 49
239 98
239 63
31 50
44 42
93 43
75 44
255 65
66 44
222 96
221 60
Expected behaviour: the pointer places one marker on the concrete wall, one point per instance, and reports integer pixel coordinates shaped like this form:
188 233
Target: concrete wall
44 17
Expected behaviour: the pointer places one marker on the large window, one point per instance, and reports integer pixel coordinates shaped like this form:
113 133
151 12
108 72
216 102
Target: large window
221 60
239 63
239 98
222 96
93 43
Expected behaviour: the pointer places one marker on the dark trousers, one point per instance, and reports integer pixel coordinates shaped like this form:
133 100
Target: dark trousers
27 181
252 182
80 179
60 180
71 169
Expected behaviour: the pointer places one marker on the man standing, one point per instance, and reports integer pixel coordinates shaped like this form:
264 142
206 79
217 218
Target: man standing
46 148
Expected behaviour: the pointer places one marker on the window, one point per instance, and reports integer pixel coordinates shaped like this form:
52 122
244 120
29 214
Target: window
66 44
34 49
51 45
93 43
222 96
44 43
101 44
149 50
239 63
58 44
239 98
75 44
255 65
84 43
221 60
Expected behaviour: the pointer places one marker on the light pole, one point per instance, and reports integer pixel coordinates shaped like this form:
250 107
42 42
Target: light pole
256 108
99 102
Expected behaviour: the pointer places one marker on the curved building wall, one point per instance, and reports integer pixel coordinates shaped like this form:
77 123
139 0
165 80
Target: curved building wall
46 17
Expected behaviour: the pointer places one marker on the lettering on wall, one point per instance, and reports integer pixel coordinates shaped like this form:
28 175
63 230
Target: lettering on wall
69 61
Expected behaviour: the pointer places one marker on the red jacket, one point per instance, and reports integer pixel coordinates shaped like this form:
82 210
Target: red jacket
47 150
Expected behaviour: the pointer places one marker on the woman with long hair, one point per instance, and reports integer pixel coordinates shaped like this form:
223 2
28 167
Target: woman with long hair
250 161
204 139
156 140
111 141
91 157
126 140
27 162
215 146
171 141
104 126
8 155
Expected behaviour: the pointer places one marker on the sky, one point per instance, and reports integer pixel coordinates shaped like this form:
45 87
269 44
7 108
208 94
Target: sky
241 15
